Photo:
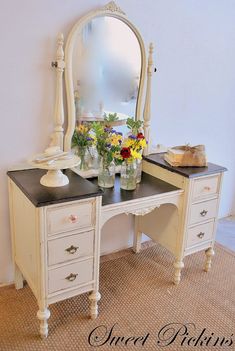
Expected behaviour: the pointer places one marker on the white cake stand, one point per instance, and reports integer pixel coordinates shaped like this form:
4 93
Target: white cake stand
54 177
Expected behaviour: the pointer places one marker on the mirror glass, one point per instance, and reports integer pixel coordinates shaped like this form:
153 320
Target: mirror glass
106 71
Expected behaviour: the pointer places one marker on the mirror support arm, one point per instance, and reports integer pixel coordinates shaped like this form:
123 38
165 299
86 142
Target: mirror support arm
57 136
147 105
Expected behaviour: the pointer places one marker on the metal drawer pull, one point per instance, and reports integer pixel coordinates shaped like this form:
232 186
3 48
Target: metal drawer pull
207 188
71 277
201 235
73 218
72 249
203 213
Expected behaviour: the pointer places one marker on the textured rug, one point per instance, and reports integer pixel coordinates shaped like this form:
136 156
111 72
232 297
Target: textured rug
139 304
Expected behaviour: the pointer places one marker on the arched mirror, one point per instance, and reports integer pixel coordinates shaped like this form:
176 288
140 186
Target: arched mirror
105 70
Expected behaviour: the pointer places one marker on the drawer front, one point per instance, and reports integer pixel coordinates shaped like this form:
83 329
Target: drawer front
71 275
203 210
205 187
70 247
200 233
70 217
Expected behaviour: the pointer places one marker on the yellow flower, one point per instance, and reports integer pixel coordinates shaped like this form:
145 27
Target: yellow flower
136 155
129 142
115 139
142 143
82 129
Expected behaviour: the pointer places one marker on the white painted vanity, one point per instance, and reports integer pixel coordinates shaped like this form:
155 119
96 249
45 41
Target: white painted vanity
56 231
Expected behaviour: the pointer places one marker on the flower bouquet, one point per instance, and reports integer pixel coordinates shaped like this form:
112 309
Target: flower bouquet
108 144
130 154
83 140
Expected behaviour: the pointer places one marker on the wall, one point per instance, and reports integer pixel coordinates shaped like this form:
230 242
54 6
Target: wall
193 90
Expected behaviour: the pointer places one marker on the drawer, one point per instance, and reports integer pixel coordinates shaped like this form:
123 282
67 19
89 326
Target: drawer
70 247
203 211
204 187
70 217
70 275
200 233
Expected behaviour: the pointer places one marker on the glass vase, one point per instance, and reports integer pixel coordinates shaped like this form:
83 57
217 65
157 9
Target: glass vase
139 171
84 157
94 159
128 175
106 175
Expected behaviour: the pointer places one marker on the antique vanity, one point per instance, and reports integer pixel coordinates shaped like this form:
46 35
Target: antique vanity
56 231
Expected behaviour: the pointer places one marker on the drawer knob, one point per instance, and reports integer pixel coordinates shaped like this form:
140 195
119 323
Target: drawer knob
71 277
73 218
201 235
203 213
72 249
207 188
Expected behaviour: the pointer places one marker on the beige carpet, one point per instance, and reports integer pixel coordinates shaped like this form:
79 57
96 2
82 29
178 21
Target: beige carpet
138 295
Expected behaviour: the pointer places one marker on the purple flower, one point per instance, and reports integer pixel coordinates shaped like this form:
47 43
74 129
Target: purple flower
119 133
107 129
89 139
132 137
108 145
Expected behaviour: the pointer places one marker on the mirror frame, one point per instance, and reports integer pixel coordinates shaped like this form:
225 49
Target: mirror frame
111 10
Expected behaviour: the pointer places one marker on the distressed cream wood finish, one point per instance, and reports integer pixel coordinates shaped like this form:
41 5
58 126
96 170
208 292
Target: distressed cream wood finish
70 275
203 211
70 247
195 213
205 187
48 271
200 233
62 260
70 217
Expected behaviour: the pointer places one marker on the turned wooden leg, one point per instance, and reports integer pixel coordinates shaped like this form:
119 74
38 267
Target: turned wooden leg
209 254
43 316
137 237
19 279
94 297
178 265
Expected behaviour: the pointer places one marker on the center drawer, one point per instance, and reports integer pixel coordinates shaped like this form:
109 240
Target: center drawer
203 211
70 275
70 217
70 247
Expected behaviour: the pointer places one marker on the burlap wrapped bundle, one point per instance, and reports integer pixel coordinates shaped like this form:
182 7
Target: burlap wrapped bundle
187 156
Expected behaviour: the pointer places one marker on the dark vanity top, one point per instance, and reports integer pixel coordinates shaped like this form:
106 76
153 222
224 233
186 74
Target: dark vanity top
149 186
29 182
78 188
188 172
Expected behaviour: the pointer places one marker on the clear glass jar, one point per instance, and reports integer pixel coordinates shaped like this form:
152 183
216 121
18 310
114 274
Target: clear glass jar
139 171
94 159
84 156
128 175
106 175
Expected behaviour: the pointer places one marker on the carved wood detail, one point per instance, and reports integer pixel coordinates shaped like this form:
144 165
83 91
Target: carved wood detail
143 211
111 6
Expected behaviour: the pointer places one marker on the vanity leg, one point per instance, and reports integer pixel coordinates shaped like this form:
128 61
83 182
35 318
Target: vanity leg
178 265
137 236
43 315
19 279
94 297
209 254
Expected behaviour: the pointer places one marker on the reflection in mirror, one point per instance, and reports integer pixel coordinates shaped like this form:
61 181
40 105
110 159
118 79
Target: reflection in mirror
106 71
